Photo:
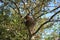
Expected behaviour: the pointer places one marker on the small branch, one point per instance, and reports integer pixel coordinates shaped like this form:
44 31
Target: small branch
54 20
48 12
17 8
54 9
51 6
14 9
26 8
45 23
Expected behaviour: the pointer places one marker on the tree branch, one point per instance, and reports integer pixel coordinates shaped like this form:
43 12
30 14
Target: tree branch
30 35
54 20
26 8
17 8
40 27
48 12
54 15
45 23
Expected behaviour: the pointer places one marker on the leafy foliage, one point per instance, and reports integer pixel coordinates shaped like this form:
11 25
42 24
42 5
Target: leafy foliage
12 18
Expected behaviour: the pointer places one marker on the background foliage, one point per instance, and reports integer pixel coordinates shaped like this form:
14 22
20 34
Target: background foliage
12 13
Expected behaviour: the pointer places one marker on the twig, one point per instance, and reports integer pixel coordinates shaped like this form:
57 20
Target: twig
17 8
48 12
54 20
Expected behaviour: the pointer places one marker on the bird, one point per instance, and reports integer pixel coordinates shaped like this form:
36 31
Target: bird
30 22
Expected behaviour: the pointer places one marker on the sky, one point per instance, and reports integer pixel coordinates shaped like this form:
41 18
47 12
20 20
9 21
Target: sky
51 8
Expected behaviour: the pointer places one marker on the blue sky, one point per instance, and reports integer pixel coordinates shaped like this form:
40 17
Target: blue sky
51 8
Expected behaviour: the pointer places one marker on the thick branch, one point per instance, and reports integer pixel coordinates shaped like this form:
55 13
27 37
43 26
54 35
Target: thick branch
45 23
40 27
54 15
30 35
